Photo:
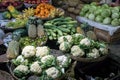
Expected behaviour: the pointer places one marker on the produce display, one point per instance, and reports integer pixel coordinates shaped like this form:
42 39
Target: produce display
5 3
101 13
39 61
21 19
60 27
80 46
11 13
25 41
46 11
36 1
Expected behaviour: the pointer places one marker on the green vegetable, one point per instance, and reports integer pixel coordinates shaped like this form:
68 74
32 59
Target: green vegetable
20 32
91 16
106 13
6 15
99 18
115 10
107 20
115 22
115 15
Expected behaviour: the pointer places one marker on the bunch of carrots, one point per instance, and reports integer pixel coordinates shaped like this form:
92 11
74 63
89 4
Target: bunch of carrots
43 10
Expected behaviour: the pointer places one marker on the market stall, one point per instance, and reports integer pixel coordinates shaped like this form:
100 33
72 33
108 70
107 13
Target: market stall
58 40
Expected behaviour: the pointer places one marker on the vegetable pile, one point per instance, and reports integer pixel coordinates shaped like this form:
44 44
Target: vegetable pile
60 27
80 46
44 10
39 61
103 14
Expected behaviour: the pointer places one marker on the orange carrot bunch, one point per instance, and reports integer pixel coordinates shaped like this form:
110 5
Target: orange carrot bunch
43 10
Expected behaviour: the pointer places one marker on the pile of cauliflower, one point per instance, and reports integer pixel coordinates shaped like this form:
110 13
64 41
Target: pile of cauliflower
39 61
80 46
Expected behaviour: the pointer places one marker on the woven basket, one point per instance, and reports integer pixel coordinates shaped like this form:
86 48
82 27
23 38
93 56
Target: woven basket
89 60
54 52
5 76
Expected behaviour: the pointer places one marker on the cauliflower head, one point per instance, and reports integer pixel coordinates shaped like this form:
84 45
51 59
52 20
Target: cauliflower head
65 46
77 51
103 51
63 61
36 68
94 53
21 70
18 60
67 38
48 61
42 51
85 42
53 72
28 51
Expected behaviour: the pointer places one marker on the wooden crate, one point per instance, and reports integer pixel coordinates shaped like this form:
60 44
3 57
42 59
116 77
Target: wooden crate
105 36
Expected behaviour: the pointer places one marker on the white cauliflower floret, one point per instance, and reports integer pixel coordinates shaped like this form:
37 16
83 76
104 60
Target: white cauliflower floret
78 35
21 71
28 51
20 58
67 38
103 51
63 61
47 58
36 68
42 51
94 53
21 68
61 39
65 46
52 72
85 41
77 51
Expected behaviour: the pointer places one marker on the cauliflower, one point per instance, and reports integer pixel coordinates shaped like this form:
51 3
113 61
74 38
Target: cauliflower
78 35
48 60
42 51
67 38
28 51
77 51
94 53
85 41
63 61
65 46
103 51
21 70
53 72
18 60
35 68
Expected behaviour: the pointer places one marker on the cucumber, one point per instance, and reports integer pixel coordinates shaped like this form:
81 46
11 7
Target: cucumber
64 29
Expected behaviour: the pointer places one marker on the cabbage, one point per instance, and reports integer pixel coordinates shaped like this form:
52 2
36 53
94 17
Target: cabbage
107 20
105 6
86 15
82 13
99 18
93 3
91 16
92 9
115 15
106 13
98 11
115 10
115 22
85 8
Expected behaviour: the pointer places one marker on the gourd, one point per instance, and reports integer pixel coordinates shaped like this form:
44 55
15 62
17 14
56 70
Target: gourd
13 50
32 31
40 30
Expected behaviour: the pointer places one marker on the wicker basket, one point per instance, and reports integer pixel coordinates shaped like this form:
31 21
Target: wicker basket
89 60
30 77
5 76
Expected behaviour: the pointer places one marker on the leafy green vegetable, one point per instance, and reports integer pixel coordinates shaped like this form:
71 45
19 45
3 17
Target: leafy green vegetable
107 20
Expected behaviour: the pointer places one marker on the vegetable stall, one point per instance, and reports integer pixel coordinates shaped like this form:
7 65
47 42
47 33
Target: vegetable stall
58 40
